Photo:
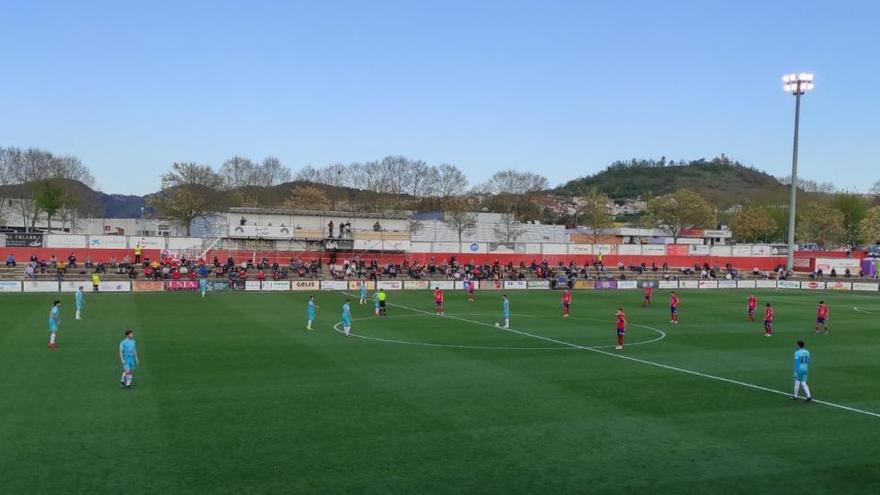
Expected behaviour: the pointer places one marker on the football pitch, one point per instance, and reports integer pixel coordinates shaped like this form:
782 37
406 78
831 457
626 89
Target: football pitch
233 395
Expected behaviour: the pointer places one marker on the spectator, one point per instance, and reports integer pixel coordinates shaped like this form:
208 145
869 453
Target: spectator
29 271
377 227
137 253
89 263
71 260
10 261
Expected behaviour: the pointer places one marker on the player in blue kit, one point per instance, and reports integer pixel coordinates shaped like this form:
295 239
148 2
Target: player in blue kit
505 313
346 318
203 286
376 308
80 299
801 367
54 323
312 307
363 292
128 355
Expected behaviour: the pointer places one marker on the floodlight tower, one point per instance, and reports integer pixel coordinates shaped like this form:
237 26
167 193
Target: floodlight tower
798 85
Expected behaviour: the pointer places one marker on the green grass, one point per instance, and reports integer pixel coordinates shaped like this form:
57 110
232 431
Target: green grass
234 396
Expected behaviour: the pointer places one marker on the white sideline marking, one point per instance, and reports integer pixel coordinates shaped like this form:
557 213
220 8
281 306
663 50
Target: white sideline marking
650 363
857 310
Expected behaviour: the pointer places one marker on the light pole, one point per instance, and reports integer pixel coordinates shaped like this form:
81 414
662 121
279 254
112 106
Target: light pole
796 84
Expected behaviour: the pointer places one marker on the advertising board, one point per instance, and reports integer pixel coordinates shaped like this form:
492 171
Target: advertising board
356 284
515 284
539 284
39 286
765 284
838 286
182 285
654 249
108 242
584 284
389 284
627 284
864 286
305 285
745 284
416 284
491 285
442 284
689 284
604 284
148 286
668 284
334 285
274 285
813 285
788 284
708 284
252 285
114 286
10 286
727 284
65 241
72 285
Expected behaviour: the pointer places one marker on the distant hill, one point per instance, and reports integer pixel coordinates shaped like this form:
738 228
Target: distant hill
95 203
721 181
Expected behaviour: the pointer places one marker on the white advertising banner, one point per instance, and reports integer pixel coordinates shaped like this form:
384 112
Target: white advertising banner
604 249
416 284
580 249
765 284
275 285
10 286
724 251
533 248
742 250
66 241
147 242
864 286
689 284
367 245
761 250
305 285
72 286
699 250
539 284
260 232
727 284
629 250
396 245
356 284
442 284
334 285
708 284
667 284
838 286
813 285
114 286
184 243
549 248
446 247
515 284
418 247
108 242
839 265
788 284
745 284
462 285
252 285
39 286
627 284
654 250
389 284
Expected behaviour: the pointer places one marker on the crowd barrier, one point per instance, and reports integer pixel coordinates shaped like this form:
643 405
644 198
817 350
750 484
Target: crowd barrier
8 286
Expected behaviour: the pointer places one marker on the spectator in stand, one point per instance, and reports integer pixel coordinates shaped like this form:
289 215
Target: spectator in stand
261 275
149 272
10 261
137 253
29 271
89 264
71 260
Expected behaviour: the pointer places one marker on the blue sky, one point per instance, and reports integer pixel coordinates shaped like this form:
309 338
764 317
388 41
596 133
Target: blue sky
562 88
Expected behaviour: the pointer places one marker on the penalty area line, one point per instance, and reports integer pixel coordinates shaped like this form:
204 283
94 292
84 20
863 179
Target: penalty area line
649 363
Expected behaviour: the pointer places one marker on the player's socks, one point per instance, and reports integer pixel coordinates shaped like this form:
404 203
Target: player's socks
77 315
52 339
797 388
807 391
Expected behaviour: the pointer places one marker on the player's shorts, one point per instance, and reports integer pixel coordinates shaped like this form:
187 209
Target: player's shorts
79 307
346 323
751 311
673 309
768 323
53 327
566 305
800 376
438 303
381 304
621 331
820 321
648 298
311 316
129 365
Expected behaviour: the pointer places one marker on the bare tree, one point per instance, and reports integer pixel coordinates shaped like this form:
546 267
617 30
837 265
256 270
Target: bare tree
238 172
456 216
450 181
515 182
189 191
507 228
272 172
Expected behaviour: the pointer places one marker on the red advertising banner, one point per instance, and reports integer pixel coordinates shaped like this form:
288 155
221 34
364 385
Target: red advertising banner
180 285
677 249
147 286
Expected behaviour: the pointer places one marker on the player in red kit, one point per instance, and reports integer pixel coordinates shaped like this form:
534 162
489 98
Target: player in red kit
822 317
472 286
649 295
566 303
753 305
768 321
673 307
438 302
621 327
